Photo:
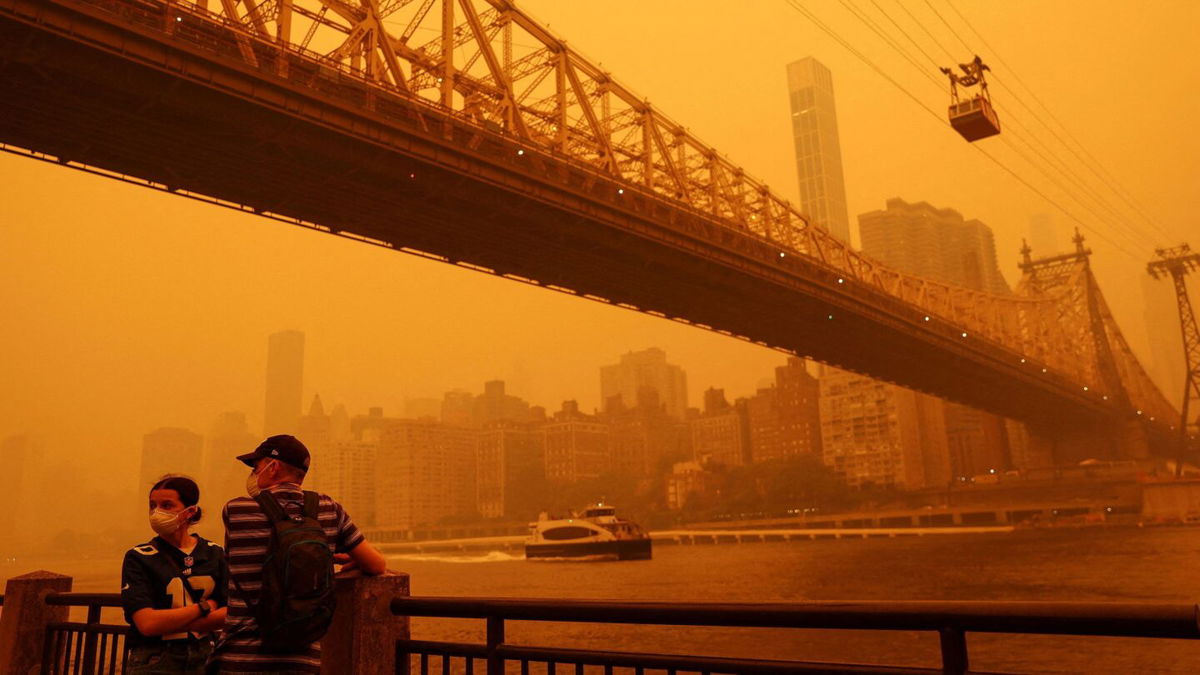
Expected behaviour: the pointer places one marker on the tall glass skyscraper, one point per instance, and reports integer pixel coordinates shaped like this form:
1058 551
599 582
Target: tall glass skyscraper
818 153
285 380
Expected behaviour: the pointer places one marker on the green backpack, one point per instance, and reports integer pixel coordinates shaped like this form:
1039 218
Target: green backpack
296 603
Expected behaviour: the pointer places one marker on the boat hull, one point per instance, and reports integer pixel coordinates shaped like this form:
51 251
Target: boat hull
621 549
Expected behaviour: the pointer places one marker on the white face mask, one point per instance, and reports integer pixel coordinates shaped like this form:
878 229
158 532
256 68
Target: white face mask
165 523
252 488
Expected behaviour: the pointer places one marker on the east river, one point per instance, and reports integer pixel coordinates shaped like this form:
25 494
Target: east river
1095 564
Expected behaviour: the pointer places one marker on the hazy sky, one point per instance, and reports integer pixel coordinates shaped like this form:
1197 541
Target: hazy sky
127 309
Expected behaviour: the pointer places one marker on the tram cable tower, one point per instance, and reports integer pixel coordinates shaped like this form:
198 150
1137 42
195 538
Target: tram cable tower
1178 262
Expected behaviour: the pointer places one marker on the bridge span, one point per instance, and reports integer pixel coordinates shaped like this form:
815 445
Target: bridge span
574 184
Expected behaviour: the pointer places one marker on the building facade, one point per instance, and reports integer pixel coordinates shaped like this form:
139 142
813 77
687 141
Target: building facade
577 446
878 434
510 466
785 419
818 149
285 382
425 473
720 435
934 243
637 374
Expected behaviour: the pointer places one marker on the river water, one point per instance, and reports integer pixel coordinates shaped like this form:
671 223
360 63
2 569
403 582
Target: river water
1094 564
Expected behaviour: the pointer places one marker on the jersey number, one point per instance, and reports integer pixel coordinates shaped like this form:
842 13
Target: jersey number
181 598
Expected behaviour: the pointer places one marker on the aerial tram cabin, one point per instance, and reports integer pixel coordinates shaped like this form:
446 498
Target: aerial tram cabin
973 118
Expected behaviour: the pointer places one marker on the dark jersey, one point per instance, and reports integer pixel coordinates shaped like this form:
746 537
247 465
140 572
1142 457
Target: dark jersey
152 577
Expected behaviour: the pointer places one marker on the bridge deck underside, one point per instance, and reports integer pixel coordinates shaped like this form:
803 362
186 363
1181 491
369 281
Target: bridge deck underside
124 100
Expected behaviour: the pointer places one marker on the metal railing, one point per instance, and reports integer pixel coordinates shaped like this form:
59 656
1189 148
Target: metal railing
950 620
89 648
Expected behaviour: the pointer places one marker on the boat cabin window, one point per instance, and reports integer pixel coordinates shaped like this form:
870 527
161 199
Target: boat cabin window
569 532
599 511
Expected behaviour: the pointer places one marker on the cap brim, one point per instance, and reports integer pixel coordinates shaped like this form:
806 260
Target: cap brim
249 458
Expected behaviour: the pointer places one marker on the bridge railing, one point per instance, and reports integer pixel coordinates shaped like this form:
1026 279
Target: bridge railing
90 647
950 620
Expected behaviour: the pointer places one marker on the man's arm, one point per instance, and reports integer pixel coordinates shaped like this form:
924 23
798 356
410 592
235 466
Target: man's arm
367 559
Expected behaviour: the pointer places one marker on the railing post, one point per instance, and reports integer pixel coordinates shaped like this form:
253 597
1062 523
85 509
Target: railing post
495 638
954 651
25 617
89 643
362 638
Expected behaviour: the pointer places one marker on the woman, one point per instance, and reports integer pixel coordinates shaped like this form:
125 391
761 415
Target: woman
173 587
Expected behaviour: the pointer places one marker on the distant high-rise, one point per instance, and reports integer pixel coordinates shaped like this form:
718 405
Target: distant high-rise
425 472
784 418
642 376
933 243
874 433
940 244
285 382
719 435
577 446
224 477
818 151
509 469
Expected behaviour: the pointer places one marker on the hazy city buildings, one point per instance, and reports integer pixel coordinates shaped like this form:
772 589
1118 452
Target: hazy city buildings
576 446
637 374
224 477
686 482
784 420
285 381
941 245
934 243
720 434
643 437
350 473
877 434
509 467
818 150
425 473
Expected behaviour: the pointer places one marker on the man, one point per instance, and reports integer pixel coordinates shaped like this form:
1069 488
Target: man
278 465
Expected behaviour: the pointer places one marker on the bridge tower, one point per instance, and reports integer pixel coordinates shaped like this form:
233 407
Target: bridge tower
1177 263
1094 333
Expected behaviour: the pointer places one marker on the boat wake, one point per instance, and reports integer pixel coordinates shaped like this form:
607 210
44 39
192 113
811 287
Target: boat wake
490 556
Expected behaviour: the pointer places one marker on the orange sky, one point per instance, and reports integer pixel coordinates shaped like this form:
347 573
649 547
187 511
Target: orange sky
126 309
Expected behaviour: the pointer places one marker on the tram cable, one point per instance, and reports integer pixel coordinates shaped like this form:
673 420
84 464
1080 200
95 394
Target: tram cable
1119 219
1094 165
1112 217
795 4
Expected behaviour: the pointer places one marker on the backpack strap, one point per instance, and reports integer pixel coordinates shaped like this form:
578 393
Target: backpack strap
312 505
270 506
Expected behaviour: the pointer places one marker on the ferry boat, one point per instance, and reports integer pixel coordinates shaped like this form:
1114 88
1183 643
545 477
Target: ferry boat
596 534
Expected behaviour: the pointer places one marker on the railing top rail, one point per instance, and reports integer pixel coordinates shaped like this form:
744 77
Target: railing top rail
84 599
1121 619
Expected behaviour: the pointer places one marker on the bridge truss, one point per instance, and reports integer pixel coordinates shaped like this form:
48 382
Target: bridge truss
490 65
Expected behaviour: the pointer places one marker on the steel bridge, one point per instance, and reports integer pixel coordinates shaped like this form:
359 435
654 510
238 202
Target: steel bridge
496 146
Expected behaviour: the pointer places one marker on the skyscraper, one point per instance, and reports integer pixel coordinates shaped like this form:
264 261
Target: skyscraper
285 381
933 243
940 244
784 418
642 376
818 151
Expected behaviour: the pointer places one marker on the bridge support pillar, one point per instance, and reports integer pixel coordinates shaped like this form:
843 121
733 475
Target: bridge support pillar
25 617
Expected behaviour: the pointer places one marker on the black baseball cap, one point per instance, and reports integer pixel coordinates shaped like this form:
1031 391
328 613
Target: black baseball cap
285 448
